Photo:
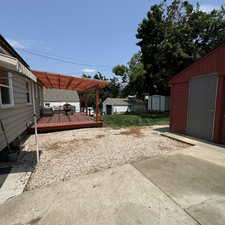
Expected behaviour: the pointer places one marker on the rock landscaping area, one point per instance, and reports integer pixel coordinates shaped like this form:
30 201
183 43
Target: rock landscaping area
74 153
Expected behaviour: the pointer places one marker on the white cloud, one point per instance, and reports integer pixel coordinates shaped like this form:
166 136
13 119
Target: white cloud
208 7
16 44
88 70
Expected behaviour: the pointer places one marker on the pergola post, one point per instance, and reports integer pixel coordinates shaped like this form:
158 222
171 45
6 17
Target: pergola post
85 104
35 123
97 104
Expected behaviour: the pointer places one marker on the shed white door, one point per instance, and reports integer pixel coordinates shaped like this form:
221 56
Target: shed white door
201 106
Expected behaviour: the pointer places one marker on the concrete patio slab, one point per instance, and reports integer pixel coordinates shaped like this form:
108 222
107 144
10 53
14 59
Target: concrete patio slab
188 180
209 212
118 196
15 182
194 179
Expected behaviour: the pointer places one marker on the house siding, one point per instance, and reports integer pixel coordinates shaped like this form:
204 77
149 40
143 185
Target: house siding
16 119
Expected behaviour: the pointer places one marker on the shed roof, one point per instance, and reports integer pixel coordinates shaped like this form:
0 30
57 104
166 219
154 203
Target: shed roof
61 81
60 95
211 64
119 101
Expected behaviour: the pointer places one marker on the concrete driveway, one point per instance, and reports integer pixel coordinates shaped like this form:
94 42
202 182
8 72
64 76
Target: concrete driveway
185 187
194 179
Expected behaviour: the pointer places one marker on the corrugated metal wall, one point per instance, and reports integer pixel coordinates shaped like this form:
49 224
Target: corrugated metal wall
202 106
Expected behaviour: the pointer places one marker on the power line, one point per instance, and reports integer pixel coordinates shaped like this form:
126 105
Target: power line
60 59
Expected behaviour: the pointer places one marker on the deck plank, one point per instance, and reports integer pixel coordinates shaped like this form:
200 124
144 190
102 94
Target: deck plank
60 121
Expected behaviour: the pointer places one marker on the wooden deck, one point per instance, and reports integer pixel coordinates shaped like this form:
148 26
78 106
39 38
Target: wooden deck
60 121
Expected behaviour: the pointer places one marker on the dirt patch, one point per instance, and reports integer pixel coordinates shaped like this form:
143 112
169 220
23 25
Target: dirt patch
59 145
133 131
75 153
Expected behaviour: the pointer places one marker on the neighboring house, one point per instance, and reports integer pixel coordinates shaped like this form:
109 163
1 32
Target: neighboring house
19 89
56 98
115 105
198 98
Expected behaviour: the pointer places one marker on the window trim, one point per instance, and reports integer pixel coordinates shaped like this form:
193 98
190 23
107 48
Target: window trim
29 91
11 93
40 95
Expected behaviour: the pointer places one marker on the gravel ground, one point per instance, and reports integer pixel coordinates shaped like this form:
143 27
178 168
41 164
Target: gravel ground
74 153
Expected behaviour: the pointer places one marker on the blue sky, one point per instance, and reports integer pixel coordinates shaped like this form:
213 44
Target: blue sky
95 34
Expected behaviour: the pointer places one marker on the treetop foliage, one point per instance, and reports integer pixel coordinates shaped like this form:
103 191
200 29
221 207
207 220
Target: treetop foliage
173 36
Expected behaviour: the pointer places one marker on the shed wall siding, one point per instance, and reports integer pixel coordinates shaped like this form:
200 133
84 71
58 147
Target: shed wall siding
16 118
120 109
158 103
138 108
219 123
106 102
179 103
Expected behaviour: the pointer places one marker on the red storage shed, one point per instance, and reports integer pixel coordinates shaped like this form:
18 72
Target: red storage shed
198 98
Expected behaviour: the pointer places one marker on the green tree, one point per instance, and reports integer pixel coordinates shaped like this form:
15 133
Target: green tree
172 37
122 71
100 76
135 77
132 75
112 90
84 75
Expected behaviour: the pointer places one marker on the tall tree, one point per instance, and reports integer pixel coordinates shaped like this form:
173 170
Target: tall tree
132 75
172 37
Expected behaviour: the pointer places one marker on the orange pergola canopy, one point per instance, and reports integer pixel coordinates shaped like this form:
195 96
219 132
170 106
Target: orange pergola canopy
61 81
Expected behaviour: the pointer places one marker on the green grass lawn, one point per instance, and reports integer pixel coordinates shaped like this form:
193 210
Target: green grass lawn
135 119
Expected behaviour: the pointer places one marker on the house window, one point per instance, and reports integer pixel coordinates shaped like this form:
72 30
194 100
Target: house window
6 89
28 92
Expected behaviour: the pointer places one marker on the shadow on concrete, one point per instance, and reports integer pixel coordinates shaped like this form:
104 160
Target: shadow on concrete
26 162
3 174
162 129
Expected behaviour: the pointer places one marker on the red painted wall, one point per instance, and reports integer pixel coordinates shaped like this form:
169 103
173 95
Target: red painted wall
219 131
213 63
179 103
210 64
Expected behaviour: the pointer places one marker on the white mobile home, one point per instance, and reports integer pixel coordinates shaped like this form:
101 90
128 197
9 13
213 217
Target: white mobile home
56 98
19 89
115 105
